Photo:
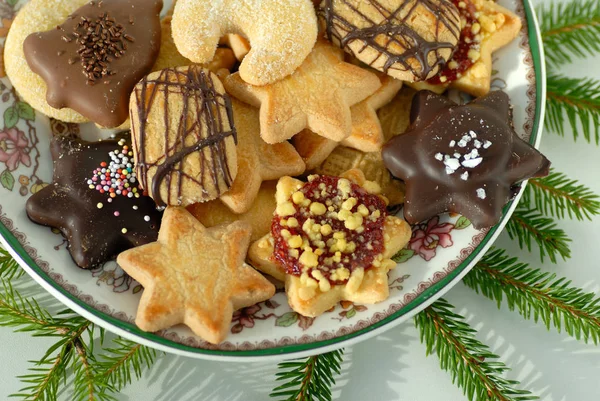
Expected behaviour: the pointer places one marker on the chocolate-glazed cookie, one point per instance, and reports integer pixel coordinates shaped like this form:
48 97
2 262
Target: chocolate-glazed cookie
461 158
93 60
94 200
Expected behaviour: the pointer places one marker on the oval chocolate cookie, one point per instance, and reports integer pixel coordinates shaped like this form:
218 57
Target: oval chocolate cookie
94 201
184 137
407 39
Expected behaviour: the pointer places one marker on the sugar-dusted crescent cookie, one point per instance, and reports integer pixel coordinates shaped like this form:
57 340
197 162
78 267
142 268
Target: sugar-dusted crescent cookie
184 137
259 215
407 39
35 16
367 134
194 275
258 161
281 33
91 60
317 96
237 43
488 27
333 247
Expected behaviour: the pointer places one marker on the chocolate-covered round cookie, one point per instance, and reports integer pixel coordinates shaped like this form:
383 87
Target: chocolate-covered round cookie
94 200
407 39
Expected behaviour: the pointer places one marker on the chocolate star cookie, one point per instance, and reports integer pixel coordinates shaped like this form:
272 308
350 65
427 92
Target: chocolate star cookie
461 159
94 200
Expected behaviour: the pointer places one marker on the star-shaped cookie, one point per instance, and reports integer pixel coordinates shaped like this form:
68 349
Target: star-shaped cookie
498 27
97 223
461 158
317 96
258 161
195 276
367 134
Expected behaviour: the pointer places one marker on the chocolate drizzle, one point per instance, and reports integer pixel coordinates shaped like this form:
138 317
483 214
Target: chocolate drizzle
396 31
202 104
93 60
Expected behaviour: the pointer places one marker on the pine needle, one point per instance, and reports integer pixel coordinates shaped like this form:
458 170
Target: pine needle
537 295
9 268
308 379
116 364
473 367
570 30
579 100
530 226
556 195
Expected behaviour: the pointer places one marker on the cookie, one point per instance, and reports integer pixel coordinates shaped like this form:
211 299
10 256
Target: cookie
487 28
184 137
316 229
93 59
370 164
367 134
258 161
299 101
407 39
258 216
394 117
34 16
468 166
195 276
169 56
99 216
237 43
281 33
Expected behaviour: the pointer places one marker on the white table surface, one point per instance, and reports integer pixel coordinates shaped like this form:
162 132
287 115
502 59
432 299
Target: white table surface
393 366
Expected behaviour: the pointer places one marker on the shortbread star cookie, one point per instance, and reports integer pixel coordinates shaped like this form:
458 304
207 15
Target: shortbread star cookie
334 240
407 39
195 276
488 28
281 33
367 134
258 161
238 44
184 137
318 96
259 215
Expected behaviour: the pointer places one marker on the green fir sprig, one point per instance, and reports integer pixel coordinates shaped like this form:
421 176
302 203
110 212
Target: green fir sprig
9 268
471 364
308 379
537 295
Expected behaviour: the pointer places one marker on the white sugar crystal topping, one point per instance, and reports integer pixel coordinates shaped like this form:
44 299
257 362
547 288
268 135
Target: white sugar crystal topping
481 193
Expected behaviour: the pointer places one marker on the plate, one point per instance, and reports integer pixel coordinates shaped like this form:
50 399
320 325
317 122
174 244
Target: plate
439 254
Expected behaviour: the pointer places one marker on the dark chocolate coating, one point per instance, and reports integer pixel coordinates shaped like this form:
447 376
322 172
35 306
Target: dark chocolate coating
132 36
437 121
94 234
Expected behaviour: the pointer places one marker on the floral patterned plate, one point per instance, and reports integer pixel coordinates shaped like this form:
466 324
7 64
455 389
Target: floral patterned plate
440 252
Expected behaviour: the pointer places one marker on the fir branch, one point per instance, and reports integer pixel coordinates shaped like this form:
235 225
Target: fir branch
43 383
530 226
115 367
473 367
579 99
570 30
309 379
556 194
537 295
9 268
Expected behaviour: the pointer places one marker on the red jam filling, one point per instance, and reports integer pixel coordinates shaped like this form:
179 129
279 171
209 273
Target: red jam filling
341 226
466 42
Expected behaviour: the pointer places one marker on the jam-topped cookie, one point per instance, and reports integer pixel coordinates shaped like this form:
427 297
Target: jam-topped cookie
94 200
92 61
331 239
461 158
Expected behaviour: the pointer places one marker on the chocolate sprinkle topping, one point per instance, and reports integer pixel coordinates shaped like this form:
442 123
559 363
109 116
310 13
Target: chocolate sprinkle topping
394 32
191 86
462 159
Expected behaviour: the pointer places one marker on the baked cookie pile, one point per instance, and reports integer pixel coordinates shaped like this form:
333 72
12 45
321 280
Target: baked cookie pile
251 141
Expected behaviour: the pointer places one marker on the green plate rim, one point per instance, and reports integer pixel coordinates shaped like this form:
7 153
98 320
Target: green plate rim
11 240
